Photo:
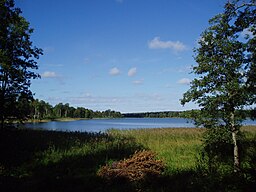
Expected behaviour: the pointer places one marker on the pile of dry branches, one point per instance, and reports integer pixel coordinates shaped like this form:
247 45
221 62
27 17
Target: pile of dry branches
141 165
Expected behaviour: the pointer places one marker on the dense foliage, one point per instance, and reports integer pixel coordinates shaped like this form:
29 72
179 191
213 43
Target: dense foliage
17 62
163 114
191 114
42 110
225 83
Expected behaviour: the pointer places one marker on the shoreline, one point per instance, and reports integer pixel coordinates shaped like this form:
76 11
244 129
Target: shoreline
57 119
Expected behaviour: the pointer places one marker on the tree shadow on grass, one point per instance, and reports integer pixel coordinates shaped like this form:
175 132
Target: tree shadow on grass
34 160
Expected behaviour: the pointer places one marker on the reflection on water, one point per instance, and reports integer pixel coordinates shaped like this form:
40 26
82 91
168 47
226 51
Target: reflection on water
97 125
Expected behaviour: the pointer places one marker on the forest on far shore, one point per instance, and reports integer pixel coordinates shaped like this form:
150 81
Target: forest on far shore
39 110
179 114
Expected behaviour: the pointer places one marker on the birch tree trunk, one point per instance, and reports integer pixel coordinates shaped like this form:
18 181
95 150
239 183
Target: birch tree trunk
234 138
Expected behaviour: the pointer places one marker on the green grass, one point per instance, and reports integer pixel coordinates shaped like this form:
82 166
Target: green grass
178 147
37 160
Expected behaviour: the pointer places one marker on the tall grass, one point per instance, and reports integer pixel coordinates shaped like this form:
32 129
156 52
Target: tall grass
178 147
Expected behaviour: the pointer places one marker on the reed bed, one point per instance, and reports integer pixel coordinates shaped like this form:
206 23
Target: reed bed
249 130
178 147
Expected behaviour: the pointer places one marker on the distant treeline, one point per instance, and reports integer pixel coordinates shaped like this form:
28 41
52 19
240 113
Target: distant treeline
163 114
180 114
40 109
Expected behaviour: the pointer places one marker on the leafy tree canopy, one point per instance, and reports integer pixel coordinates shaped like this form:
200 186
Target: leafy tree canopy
226 66
17 61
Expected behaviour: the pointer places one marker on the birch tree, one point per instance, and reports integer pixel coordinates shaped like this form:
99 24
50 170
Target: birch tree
225 74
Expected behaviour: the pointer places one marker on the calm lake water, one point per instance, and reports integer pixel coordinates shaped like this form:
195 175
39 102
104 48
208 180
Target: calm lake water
101 125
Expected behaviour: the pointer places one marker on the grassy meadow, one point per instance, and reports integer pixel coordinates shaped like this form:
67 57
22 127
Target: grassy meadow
38 160
178 147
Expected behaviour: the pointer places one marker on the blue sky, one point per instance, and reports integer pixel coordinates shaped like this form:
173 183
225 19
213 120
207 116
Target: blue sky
124 55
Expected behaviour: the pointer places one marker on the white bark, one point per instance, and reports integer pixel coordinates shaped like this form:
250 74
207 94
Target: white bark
234 138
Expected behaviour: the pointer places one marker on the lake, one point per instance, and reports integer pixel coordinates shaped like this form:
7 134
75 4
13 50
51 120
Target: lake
101 125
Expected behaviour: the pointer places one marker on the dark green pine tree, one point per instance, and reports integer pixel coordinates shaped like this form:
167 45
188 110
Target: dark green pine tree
17 62
225 71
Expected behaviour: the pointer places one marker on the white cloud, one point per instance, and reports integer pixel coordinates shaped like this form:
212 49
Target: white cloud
184 81
49 74
138 82
114 71
176 46
132 71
